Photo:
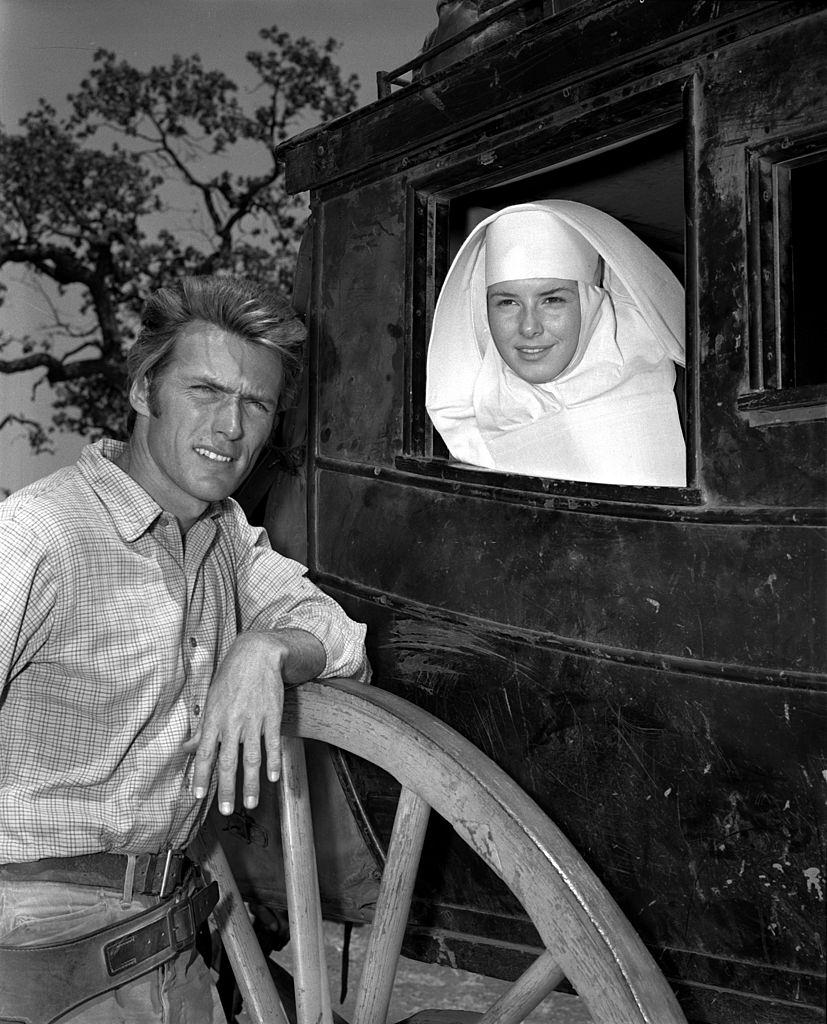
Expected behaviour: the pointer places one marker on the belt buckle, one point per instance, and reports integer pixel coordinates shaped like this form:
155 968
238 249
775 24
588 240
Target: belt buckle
181 925
169 931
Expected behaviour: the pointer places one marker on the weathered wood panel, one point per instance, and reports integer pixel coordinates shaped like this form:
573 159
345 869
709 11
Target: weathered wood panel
740 595
596 45
761 92
359 320
697 800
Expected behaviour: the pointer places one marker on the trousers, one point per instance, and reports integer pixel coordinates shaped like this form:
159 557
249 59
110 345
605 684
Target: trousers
40 913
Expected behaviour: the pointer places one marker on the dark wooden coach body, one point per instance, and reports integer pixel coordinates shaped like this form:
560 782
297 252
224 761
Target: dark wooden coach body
648 663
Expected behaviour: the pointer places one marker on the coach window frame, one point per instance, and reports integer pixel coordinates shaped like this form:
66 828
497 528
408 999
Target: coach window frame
555 145
773 396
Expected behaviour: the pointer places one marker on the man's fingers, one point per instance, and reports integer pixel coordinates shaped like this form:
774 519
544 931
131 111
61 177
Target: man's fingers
219 751
251 763
227 765
204 746
272 746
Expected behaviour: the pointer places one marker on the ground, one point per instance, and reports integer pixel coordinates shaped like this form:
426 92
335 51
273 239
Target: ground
425 986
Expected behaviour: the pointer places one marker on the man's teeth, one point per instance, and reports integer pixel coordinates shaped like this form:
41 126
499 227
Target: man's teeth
213 455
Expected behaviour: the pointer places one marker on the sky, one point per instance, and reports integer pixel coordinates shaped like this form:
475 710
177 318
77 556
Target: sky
46 48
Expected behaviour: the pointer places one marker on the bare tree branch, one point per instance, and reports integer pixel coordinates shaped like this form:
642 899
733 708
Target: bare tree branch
91 204
58 370
38 439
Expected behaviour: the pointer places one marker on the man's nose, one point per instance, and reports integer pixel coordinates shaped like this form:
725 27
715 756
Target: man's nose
229 420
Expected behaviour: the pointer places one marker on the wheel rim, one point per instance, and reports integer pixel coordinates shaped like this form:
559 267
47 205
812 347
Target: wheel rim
587 938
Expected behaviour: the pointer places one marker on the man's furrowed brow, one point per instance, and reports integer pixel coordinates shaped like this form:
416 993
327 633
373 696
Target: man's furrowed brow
248 394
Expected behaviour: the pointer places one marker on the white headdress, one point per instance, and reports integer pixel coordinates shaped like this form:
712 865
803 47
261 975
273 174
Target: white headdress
519 245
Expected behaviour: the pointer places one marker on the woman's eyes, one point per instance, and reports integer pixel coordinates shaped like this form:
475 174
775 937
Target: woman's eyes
546 300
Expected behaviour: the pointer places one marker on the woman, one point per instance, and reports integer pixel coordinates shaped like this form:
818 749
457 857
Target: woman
553 350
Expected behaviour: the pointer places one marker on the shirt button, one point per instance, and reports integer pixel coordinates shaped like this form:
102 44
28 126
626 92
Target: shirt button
196 709
193 642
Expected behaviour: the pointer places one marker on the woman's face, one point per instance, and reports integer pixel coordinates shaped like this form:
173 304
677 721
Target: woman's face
535 324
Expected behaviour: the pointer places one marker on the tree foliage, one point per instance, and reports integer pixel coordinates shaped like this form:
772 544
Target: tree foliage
150 175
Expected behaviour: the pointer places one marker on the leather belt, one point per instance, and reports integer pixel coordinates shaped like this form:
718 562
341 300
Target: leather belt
38 984
156 874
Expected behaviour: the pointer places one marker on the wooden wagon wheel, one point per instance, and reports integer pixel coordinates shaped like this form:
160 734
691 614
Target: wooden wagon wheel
587 939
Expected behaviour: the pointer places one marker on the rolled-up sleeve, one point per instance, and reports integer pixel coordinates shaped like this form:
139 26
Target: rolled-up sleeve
274 593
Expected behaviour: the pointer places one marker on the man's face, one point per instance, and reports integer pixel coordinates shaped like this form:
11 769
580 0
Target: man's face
215 402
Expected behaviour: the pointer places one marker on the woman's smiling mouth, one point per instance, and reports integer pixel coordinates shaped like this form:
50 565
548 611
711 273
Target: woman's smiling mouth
533 353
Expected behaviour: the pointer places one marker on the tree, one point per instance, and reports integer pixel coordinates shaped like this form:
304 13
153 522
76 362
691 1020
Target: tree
140 184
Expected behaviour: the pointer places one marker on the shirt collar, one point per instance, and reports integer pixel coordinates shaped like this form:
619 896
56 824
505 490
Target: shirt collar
132 510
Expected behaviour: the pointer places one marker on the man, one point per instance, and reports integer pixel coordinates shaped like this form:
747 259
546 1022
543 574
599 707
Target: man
147 633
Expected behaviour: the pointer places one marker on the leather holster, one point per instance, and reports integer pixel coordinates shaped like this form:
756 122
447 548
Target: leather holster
38 984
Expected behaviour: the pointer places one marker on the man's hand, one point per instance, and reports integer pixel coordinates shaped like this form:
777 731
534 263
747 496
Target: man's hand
244 706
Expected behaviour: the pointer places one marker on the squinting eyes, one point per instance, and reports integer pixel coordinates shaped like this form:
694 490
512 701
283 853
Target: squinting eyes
212 392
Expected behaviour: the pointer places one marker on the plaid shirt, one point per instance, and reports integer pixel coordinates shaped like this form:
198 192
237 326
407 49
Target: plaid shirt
110 632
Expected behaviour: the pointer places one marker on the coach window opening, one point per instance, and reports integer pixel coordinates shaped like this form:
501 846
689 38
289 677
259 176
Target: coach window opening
788 221
640 181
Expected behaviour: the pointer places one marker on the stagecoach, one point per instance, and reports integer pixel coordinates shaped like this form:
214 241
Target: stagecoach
612 697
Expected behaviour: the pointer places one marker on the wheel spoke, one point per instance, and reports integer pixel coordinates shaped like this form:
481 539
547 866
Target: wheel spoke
302 884
392 908
237 936
527 992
